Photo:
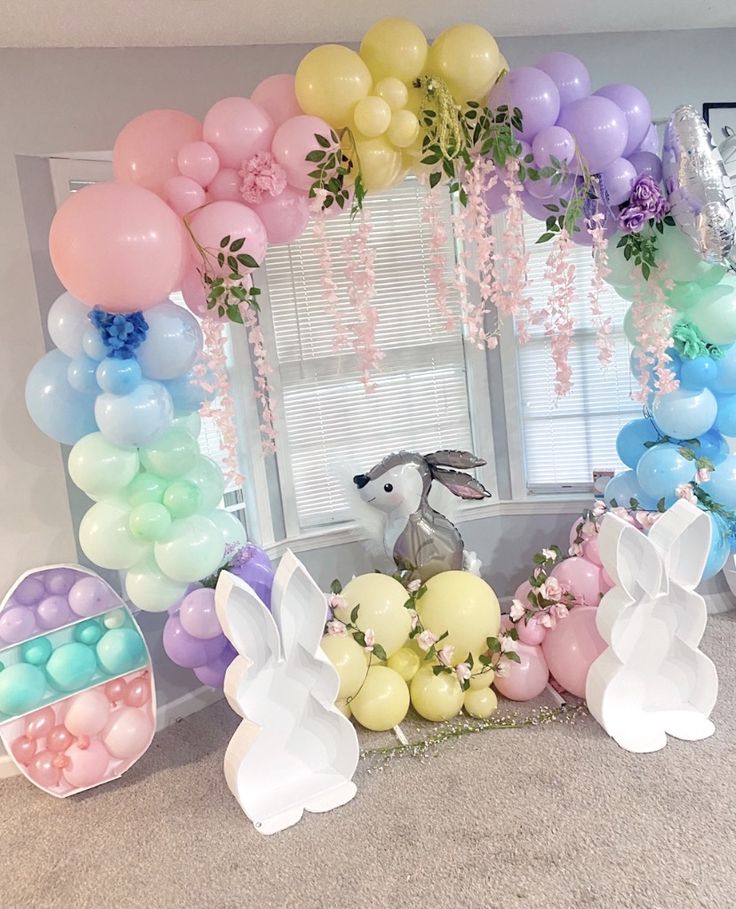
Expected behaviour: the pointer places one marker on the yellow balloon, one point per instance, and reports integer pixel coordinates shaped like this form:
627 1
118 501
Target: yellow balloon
393 91
344 708
330 81
406 662
436 697
480 704
383 700
481 680
381 600
403 130
372 116
415 100
350 661
394 47
467 58
462 604
381 165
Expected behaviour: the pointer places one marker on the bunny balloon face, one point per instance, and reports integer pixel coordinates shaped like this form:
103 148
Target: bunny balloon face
398 489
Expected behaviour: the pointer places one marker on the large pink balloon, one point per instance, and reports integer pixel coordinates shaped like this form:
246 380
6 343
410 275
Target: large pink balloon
582 578
284 216
293 141
237 128
87 765
277 97
570 648
117 246
145 150
526 679
218 220
129 733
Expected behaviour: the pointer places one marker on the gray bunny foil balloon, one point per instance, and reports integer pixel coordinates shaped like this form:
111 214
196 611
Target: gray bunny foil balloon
418 538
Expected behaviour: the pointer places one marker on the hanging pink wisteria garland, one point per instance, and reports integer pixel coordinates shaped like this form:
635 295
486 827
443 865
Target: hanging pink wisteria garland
601 322
327 273
652 320
556 315
361 277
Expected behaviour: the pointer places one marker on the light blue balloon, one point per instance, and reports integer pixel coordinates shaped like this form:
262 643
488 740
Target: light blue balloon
188 395
120 650
67 321
725 379
685 414
720 546
136 418
697 374
119 377
726 417
631 438
623 488
713 446
722 484
173 342
662 469
81 375
22 687
71 666
92 344
55 407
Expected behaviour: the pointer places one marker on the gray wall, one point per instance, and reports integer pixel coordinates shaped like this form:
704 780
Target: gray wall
62 101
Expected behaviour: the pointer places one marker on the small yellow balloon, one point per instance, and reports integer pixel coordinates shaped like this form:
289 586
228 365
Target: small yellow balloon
383 700
481 680
381 600
344 707
403 130
406 662
393 91
394 47
372 116
381 165
480 704
467 58
330 81
436 697
350 661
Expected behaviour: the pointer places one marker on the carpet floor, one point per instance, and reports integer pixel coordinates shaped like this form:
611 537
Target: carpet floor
549 816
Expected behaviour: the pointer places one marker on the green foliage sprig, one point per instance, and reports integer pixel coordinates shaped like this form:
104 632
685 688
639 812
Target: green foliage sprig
333 166
641 248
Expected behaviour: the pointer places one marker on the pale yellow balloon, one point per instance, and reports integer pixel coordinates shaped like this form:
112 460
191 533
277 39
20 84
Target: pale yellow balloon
372 116
330 81
436 697
393 91
383 700
350 661
344 707
467 58
415 101
480 704
406 662
403 130
394 47
462 604
480 680
381 600
381 165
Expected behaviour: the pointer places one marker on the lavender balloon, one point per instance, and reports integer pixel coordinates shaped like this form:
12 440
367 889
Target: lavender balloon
553 142
600 130
53 612
569 74
650 142
198 616
17 624
617 180
187 651
534 93
61 582
253 566
213 673
647 164
636 108
29 591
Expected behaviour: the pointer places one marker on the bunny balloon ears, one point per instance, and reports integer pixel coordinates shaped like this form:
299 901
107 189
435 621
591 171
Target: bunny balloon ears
459 484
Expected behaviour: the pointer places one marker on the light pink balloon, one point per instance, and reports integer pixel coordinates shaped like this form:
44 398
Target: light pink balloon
117 246
40 723
293 141
607 581
522 593
284 216
199 162
145 151
23 749
226 186
59 739
44 770
531 632
237 128
128 733
582 578
222 219
138 692
183 194
526 679
277 97
115 691
88 713
570 648
591 551
88 763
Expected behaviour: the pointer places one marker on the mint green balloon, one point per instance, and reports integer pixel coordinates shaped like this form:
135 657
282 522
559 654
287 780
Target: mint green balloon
684 296
36 651
100 468
192 423
105 537
230 527
680 261
207 476
172 454
191 550
715 314
149 521
22 687
619 269
629 327
146 487
71 666
150 589
182 498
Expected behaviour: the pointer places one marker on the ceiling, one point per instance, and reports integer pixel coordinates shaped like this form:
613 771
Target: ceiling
182 23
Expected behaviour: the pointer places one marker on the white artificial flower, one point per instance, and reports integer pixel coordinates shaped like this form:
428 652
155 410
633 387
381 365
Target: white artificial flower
685 491
337 629
426 639
549 554
370 638
508 644
445 654
462 670
414 585
517 610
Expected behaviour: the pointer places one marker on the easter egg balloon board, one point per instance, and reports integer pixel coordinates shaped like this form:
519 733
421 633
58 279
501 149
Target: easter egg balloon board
77 701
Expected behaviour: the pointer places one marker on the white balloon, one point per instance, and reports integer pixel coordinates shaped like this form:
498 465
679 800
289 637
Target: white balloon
68 320
232 530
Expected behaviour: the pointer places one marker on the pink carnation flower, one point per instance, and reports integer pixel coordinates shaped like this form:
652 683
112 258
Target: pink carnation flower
261 176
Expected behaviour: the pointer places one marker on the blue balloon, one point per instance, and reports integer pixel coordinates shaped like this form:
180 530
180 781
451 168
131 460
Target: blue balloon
624 487
137 418
722 484
120 650
55 407
188 394
172 343
119 377
699 373
713 446
725 379
92 344
684 414
81 375
726 417
662 469
720 546
631 438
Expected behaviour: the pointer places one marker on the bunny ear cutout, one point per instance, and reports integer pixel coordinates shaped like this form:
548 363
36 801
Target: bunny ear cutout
460 460
631 559
683 536
298 605
461 484
246 621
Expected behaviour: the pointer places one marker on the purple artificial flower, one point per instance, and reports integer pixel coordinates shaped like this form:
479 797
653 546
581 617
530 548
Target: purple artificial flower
647 195
632 219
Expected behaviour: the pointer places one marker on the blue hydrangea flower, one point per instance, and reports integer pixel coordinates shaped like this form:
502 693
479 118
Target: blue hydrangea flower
121 333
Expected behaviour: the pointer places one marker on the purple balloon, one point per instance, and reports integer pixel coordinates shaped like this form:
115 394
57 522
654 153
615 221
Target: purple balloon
600 129
90 596
617 180
17 624
213 673
569 74
534 207
184 650
53 612
546 190
647 164
29 591
254 567
61 581
553 142
636 108
495 197
198 616
650 142
534 93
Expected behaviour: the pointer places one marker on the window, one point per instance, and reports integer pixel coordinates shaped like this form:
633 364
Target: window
564 440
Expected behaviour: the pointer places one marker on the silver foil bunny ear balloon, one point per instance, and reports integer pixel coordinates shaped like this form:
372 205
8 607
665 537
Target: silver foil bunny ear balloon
697 186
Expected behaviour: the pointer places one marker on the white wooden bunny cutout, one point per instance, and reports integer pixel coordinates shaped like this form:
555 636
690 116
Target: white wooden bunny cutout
294 750
652 681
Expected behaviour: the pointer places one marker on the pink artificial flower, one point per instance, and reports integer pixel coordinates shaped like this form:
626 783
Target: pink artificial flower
648 519
599 509
414 618
517 610
337 629
588 530
335 601
370 638
261 176
462 671
445 654
575 549
685 491
703 475
414 585
546 620
538 572
622 513
426 639
559 611
551 590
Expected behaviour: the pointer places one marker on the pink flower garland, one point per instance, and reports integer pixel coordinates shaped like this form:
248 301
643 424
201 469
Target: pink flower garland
556 317
361 277
432 216
600 270
653 323
511 282
263 370
327 275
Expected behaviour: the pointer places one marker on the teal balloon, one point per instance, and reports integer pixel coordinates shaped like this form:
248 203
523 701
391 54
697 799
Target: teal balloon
71 666
720 546
726 418
120 650
724 382
715 314
208 478
722 484
685 414
630 442
623 488
55 407
88 632
629 327
22 688
662 469
684 296
36 651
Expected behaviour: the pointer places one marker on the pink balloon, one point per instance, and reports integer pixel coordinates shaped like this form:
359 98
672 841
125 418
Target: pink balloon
591 551
522 593
607 581
116 246
277 97
226 186
138 692
570 648
199 162
88 763
222 219
284 216
44 769
23 749
129 733
293 141
526 679
59 739
582 578
145 151
183 194
237 128
88 712
531 632
40 723
115 691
